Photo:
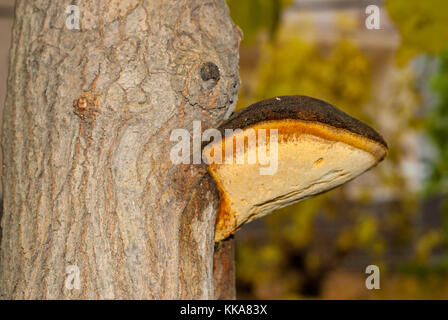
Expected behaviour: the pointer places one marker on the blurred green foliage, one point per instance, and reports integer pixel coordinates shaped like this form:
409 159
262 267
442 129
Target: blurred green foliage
422 26
437 127
255 16
341 77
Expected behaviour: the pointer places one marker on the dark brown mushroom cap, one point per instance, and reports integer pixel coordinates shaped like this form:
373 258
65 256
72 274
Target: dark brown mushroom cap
319 147
300 108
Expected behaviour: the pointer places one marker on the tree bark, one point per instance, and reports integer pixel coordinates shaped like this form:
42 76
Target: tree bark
88 181
224 270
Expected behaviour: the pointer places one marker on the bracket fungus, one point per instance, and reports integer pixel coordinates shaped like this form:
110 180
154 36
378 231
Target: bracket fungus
317 147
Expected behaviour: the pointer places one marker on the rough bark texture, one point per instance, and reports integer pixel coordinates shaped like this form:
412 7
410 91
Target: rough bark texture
88 179
224 270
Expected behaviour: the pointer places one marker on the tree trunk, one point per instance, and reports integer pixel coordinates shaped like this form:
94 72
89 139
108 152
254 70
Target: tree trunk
88 181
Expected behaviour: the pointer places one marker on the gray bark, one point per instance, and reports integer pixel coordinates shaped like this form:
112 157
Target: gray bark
87 175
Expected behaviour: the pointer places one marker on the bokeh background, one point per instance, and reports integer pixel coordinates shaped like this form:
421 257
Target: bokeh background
394 216
396 80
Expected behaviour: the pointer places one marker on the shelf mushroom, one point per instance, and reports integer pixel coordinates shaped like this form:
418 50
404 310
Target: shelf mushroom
283 150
